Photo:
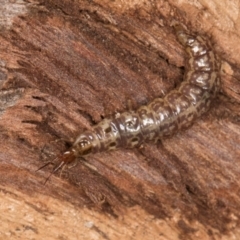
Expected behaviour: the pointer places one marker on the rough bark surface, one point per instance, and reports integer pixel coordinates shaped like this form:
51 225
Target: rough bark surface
64 65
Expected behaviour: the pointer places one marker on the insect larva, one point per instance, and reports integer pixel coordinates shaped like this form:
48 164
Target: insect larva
161 117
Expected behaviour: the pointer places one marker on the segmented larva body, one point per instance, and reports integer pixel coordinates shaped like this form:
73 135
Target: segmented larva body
163 116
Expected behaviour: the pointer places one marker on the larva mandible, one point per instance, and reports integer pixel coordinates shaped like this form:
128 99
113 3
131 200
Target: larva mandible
163 116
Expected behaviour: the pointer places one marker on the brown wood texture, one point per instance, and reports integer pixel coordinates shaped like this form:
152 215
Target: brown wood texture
65 65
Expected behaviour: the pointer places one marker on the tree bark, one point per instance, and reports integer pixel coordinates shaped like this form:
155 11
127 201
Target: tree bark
65 65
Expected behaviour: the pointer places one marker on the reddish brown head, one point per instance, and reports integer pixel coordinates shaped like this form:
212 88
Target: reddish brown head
62 160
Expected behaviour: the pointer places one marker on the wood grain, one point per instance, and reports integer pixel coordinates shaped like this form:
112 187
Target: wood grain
65 65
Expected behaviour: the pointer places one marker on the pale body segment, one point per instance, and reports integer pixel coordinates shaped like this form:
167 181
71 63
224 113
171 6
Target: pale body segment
163 116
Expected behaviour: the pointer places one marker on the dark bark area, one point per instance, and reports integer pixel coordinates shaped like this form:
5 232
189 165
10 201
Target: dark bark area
65 66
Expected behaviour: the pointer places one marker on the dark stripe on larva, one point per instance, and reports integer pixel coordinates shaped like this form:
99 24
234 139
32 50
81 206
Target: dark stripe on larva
163 116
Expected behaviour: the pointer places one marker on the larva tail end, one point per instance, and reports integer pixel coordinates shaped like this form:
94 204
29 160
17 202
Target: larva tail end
181 32
177 26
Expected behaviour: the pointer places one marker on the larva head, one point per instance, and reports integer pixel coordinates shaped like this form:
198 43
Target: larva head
61 161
